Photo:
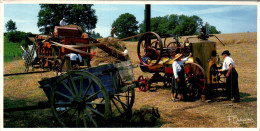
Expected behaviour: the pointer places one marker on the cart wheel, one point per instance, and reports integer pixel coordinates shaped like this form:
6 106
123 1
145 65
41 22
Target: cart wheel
144 86
152 49
172 47
76 99
195 79
167 80
122 103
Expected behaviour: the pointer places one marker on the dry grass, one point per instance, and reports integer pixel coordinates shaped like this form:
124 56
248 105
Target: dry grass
106 58
23 90
243 48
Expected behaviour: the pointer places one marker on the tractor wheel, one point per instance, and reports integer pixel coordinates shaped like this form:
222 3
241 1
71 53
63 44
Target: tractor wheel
195 80
79 99
145 85
150 47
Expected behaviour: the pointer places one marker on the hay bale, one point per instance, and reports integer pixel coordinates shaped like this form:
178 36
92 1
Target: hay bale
106 57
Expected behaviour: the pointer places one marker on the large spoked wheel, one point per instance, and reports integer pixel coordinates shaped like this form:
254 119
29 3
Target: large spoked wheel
150 47
79 99
172 47
143 83
122 103
195 80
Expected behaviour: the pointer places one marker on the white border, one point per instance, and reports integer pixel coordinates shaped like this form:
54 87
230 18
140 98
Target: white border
258 64
127 2
130 2
1 64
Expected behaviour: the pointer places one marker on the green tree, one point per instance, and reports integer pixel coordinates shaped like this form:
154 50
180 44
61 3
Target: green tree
186 26
177 25
211 29
81 15
126 25
10 25
95 35
19 37
199 23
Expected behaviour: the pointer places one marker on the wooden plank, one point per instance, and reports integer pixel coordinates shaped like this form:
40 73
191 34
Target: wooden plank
24 73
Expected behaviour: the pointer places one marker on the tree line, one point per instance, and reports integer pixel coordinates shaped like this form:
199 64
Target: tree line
126 24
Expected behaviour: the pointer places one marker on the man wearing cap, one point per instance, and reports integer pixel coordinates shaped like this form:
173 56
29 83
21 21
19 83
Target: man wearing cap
228 68
178 84
63 22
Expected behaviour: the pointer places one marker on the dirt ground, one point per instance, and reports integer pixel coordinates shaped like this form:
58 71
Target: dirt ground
243 49
23 90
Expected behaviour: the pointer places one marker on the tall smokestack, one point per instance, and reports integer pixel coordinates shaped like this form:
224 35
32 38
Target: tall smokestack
147 17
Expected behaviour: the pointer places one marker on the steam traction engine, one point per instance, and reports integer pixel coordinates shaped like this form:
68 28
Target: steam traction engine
157 57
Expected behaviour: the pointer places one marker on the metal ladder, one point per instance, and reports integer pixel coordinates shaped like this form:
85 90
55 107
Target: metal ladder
29 57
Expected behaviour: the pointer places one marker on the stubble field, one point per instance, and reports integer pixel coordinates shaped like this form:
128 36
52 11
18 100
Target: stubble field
23 91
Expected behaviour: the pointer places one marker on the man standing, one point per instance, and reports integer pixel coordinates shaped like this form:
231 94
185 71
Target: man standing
228 68
125 51
113 31
63 22
178 80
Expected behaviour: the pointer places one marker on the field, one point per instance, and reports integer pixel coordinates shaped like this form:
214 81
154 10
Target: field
11 50
24 91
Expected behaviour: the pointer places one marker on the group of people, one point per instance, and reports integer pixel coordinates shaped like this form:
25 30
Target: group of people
178 81
228 69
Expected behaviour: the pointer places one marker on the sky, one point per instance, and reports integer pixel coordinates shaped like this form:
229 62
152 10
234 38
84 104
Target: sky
226 18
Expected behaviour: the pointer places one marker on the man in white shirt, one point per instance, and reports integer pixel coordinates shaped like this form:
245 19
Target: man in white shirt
228 68
75 59
178 85
125 51
63 22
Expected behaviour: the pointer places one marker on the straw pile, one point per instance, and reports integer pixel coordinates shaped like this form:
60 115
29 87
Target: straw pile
119 46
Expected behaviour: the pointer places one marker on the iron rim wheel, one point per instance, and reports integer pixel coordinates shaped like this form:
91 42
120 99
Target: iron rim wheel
195 79
150 49
144 87
172 47
122 103
75 103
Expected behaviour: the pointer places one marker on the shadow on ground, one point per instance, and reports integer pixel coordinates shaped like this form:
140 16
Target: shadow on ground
145 117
